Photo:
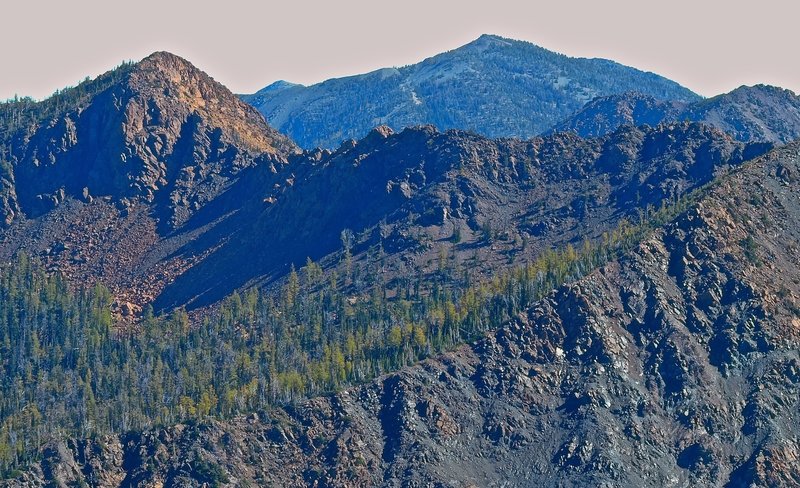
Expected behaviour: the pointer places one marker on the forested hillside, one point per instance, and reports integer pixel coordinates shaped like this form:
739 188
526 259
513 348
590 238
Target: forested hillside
493 86
67 371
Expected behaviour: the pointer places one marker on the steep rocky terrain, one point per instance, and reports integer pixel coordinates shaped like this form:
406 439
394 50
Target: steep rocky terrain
757 113
416 198
493 86
751 113
165 131
110 177
162 185
676 365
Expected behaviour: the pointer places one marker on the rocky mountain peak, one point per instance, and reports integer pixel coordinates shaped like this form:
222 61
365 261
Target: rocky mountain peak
491 40
163 77
165 60
278 86
160 131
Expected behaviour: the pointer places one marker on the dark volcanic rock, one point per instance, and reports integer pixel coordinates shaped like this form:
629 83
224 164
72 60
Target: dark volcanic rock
676 365
406 195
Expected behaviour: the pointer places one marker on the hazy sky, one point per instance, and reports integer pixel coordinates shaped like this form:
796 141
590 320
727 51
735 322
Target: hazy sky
709 46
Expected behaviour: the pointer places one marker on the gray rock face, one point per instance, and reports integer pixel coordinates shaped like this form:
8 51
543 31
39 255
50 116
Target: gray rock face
757 113
493 86
676 365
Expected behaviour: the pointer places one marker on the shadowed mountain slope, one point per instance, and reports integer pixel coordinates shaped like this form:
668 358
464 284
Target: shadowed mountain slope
158 182
485 204
674 365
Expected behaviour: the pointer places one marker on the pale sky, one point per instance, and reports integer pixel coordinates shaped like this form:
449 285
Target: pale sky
709 46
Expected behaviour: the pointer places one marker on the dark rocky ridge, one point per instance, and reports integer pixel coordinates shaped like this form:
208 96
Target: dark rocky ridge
109 186
171 191
492 86
405 195
604 115
757 113
676 365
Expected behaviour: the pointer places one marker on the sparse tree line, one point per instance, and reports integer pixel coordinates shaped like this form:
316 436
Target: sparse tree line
24 112
65 370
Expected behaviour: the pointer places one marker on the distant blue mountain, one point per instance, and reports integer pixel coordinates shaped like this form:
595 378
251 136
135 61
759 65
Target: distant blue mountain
748 113
493 86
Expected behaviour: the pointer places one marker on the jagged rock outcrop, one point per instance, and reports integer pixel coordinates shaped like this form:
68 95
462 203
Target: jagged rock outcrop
162 185
493 86
105 181
748 113
676 365
164 133
409 197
